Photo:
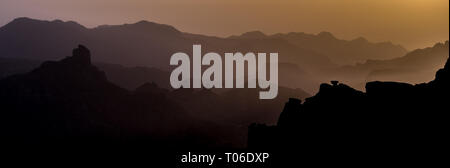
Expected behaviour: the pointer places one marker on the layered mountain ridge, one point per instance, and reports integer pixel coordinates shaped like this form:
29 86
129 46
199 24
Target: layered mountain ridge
150 44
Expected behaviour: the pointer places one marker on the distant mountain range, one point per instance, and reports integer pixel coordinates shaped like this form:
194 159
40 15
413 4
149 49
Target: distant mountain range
151 44
342 52
133 54
417 66
147 44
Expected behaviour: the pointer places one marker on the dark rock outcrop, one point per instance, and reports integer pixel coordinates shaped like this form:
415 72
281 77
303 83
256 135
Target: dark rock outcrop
395 123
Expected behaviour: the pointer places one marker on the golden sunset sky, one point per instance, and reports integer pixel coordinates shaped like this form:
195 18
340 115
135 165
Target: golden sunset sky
411 23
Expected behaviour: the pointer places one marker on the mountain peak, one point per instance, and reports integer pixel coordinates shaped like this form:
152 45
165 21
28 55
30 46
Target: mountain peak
144 22
29 22
441 44
22 19
360 40
254 35
152 26
327 35
80 56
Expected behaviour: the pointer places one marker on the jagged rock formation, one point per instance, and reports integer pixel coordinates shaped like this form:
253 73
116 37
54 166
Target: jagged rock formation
395 123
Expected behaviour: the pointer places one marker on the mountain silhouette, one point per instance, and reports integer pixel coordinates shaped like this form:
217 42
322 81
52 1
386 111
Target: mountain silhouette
72 98
68 107
250 35
120 103
428 59
417 66
344 52
150 44
71 104
391 123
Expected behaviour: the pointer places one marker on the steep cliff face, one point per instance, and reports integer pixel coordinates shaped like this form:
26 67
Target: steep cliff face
390 122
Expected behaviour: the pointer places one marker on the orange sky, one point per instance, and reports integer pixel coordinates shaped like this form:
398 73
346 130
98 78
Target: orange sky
411 23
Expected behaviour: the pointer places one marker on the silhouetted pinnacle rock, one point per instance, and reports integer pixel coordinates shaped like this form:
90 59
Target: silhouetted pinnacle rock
80 56
334 82
76 69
